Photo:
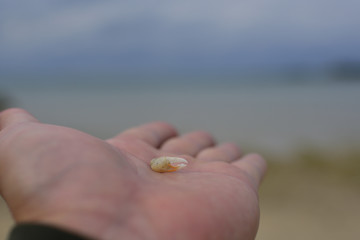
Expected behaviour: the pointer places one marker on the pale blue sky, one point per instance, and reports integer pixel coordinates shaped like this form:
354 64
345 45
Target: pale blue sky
186 35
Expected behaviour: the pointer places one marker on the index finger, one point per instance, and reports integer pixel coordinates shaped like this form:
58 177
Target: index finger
14 116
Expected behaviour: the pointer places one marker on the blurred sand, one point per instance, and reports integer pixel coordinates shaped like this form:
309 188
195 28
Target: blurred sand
309 203
5 220
298 201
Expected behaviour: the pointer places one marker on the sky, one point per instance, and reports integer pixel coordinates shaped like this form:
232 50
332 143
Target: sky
188 35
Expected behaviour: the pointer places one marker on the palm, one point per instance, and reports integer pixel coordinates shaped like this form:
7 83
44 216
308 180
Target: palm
201 197
77 173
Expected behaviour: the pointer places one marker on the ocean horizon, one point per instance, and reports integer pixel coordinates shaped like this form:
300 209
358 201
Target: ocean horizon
276 116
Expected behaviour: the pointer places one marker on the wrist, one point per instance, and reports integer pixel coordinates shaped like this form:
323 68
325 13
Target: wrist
42 231
96 224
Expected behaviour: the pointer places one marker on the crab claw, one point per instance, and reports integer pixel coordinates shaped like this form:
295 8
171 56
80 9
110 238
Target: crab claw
167 164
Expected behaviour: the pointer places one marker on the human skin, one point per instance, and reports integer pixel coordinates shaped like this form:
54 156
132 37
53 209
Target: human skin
105 189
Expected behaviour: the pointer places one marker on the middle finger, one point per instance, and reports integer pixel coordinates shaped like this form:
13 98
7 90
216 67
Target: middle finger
188 144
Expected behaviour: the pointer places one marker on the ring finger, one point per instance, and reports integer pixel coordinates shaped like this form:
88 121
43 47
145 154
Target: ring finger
226 152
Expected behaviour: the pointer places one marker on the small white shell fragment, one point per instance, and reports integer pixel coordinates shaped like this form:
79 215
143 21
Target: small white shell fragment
167 164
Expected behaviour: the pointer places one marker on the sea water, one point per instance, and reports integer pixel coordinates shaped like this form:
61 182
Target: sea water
274 117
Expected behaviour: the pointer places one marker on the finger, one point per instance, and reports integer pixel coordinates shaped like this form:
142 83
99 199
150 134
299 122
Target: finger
13 116
226 152
154 133
189 144
254 165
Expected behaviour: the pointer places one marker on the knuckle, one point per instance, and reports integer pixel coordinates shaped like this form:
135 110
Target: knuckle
11 111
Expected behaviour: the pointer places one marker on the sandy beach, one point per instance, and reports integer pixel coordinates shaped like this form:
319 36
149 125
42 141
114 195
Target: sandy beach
6 221
311 200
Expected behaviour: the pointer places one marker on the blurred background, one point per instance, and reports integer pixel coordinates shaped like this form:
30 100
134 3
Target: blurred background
281 78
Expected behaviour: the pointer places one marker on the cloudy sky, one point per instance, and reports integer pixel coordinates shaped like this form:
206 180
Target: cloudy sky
133 35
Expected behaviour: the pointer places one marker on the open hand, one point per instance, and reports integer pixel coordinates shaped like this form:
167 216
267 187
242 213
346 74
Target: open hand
105 189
